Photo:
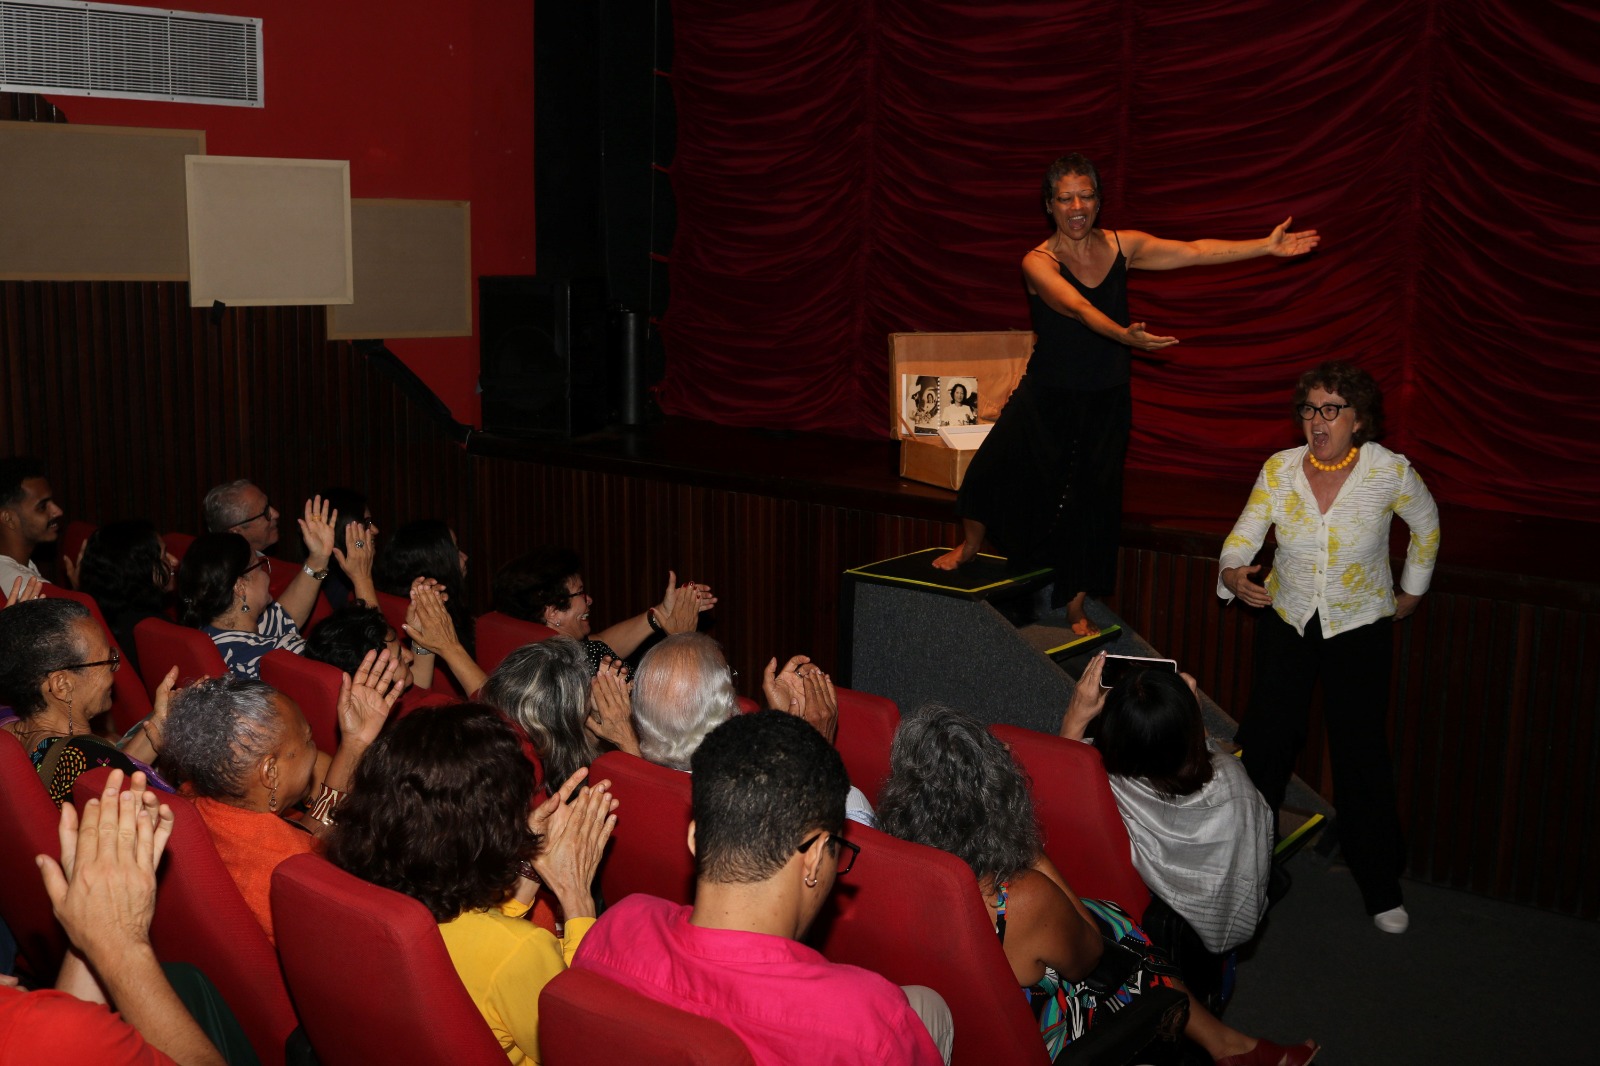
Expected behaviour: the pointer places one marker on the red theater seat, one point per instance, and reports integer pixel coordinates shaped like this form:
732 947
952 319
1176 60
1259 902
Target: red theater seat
370 973
866 732
498 635
313 686
585 1018
202 919
1083 833
27 828
163 645
649 849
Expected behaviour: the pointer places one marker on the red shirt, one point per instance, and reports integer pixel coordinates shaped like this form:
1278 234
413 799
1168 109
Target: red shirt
776 994
51 1026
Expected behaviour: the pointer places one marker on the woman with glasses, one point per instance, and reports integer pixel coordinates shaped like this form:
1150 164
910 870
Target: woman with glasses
128 570
55 674
223 590
954 786
1047 484
1333 607
442 810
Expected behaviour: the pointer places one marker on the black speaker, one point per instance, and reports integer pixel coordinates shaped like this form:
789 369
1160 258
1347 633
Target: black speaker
543 358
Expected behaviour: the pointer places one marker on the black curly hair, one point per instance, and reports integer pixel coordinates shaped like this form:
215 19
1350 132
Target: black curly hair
528 584
125 567
439 810
1359 389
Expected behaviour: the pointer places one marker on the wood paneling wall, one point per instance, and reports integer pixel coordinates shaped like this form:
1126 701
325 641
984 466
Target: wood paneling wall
140 403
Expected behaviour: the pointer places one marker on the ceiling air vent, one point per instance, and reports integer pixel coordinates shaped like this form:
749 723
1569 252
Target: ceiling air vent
143 53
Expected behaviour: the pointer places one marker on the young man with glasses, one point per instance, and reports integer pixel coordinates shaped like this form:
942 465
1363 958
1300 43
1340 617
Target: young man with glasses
768 797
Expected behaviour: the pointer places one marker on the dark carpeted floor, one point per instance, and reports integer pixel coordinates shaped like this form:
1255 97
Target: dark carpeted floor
1473 981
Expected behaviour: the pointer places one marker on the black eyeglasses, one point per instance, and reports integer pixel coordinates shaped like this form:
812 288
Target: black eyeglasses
264 512
847 862
115 662
1329 411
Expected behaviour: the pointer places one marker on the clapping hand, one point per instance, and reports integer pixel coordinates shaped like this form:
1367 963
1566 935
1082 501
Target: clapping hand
24 589
574 837
804 690
682 604
610 706
428 622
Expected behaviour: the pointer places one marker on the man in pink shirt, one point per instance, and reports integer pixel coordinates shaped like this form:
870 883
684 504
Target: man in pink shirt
769 798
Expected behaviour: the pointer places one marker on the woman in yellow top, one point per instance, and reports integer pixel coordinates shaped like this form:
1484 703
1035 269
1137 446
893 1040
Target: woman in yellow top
441 812
1333 609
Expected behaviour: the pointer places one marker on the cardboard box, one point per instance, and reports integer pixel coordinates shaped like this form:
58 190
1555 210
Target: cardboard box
996 358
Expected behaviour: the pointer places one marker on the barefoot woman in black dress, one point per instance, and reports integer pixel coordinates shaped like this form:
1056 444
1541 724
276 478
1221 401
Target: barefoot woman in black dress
1046 487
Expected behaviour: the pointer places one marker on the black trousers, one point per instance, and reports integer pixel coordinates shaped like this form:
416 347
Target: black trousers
1353 668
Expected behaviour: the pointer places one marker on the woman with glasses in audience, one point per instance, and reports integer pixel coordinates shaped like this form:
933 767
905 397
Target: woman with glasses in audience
443 811
954 786
55 674
224 590
126 567
545 586
1333 606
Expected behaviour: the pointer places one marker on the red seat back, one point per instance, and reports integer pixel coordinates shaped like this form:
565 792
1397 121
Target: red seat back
280 574
370 972
866 732
177 544
1083 831
649 849
130 701
202 919
498 635
394 612
585 1018
914 914
313 686
27 828
163 645
73 539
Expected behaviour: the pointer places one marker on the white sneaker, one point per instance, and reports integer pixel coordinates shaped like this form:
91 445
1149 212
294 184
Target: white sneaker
1394 920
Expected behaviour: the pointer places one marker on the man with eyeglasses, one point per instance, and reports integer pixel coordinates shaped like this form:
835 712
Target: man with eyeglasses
241 507
768 798
29 517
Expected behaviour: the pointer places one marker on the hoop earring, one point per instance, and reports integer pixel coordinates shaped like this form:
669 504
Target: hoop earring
811 882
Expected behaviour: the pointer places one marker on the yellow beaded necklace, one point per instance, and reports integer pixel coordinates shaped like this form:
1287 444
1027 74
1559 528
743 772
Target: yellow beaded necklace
1328 468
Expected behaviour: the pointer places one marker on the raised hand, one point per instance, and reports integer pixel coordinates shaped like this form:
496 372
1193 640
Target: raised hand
1282 242
74 567
317 527
822 702
428 622
1088 700
356 558
783 689
366 699
681 604
574 838
24 589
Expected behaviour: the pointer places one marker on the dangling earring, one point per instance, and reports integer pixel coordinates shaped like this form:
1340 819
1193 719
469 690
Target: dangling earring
272 799
72 726
244 605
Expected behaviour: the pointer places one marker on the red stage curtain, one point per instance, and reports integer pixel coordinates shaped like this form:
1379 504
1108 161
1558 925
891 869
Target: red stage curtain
848 168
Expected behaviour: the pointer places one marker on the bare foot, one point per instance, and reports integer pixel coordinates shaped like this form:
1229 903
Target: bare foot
953 558
1078 619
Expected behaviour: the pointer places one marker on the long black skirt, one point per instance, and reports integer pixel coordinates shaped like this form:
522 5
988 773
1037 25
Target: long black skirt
1047 484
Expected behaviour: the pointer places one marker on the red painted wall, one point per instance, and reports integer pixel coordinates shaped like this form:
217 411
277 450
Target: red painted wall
426 100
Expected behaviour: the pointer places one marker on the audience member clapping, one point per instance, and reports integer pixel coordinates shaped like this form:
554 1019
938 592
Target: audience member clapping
441 813
434 637
769 797
570 718
805 690
1201 833
242 507
545 586
953 785
103 893
682 690
55 673
224 590
244 752
429 549
356 536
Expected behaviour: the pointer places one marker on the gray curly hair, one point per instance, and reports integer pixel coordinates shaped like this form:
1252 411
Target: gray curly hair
953 786
216 730
682 690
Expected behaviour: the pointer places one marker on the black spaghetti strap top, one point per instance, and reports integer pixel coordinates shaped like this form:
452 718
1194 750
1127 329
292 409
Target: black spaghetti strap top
1070 355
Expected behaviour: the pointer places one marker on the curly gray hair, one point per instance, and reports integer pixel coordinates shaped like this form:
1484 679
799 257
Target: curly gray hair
216 730
953 786
682 690
544 688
